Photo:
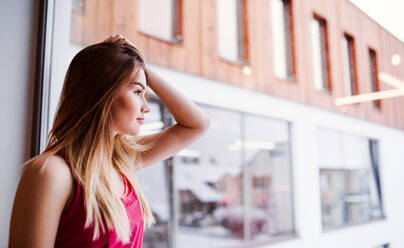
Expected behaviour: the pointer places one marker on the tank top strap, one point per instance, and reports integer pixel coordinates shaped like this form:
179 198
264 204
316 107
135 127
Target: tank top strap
126 185
74 204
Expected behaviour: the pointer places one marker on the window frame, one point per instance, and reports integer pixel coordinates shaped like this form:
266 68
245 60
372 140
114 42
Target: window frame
177 35
243 52
327 85
374 169
247 241
353 73
290 45
374 79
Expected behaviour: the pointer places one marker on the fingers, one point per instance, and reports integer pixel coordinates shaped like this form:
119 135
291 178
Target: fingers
116 38
121 40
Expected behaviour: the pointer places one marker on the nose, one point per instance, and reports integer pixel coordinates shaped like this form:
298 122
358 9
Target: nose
145 108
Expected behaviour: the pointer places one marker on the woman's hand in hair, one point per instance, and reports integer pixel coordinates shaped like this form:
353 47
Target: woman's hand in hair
121 40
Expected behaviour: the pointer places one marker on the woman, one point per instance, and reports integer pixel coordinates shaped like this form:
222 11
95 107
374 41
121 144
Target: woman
74 194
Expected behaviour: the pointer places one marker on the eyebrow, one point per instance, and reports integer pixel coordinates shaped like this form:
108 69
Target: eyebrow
133 83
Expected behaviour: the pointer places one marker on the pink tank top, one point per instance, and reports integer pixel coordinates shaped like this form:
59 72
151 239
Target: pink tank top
71 231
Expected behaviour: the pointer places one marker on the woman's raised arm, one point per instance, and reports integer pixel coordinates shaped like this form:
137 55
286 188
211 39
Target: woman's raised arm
192 123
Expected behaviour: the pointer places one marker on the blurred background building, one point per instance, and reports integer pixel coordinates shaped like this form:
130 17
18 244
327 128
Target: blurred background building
284 164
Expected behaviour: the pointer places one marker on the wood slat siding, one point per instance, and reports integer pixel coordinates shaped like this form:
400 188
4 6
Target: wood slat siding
197 51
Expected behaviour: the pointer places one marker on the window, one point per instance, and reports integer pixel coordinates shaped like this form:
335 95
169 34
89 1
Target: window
349 179
232 30
283 39
267 160
320 54
154 179
240 189
349 65
374 76
163 22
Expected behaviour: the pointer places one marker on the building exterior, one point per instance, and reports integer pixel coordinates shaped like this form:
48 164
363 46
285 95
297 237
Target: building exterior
282 165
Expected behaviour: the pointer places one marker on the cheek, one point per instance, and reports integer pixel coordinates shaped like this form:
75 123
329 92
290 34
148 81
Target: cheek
124 109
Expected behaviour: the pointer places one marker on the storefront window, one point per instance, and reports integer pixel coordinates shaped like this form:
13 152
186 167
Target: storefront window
209 185
238 173
349 179
267 158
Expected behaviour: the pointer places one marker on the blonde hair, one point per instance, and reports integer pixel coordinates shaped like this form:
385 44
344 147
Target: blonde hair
82 131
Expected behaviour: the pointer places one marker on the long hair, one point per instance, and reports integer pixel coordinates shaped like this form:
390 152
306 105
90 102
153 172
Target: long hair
82 130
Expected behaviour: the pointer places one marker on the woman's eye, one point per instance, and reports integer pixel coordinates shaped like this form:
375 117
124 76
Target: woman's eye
138 92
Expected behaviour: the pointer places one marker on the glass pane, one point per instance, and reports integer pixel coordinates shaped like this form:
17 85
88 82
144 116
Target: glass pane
346 63
267 158
356 199
155 179
350 191
281 38
208 181
373 76
317 54
375 184
332 188
156 21
228 29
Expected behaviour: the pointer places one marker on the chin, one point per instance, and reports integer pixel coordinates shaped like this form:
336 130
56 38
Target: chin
133 132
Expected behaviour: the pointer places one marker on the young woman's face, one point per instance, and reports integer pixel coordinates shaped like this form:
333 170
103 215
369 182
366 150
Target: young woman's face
130 105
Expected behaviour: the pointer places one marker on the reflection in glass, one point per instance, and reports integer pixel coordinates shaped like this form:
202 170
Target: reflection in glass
350 191
208 181
270 183
210 178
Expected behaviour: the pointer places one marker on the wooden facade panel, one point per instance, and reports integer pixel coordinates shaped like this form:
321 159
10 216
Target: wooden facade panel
198 51
367 35
263 38
191 25
326 10
257 33
100 21
208 52
301 42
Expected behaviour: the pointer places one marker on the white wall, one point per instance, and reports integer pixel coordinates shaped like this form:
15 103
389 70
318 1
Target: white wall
17 63
305 121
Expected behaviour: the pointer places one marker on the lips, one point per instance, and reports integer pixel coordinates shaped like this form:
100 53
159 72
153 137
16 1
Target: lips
140 120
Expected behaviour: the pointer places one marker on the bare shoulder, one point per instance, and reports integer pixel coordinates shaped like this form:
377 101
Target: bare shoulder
54 168
45 186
